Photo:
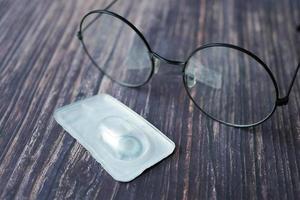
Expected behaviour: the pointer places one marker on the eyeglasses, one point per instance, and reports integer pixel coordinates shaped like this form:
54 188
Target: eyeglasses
227 83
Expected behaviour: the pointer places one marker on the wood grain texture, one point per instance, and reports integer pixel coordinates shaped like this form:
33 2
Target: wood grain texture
43 67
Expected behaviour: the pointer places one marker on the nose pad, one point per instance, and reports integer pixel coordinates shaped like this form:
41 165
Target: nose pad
190 78
156 65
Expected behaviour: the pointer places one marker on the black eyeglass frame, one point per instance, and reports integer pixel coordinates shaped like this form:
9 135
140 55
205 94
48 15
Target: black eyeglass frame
279 101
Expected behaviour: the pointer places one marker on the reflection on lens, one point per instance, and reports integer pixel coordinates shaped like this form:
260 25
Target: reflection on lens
230 85
116 49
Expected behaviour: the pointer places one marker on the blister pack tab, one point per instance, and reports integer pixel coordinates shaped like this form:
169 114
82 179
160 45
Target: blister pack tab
123 142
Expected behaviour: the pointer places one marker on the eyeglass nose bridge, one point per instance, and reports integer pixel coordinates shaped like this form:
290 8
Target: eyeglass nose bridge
158 59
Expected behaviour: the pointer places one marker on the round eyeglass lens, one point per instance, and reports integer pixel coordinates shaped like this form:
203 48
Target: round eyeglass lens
116 49
230 85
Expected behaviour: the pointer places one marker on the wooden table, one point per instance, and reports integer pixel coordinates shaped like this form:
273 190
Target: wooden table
43 67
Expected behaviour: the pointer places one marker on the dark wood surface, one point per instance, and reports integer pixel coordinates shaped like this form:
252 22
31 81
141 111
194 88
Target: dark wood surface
43 67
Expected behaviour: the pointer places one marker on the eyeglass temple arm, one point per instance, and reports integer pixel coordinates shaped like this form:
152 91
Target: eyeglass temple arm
79 34
284 100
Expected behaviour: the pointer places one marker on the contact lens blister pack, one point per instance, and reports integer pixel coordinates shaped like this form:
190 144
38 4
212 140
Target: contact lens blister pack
124 143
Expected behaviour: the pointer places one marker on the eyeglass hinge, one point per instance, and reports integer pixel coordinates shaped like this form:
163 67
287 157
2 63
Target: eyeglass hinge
79 35
282 101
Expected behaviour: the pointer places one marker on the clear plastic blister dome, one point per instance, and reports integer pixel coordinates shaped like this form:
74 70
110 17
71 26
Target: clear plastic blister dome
124 143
